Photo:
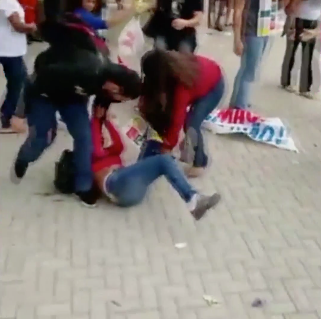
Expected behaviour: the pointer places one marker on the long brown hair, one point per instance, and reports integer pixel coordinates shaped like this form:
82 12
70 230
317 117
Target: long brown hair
163 71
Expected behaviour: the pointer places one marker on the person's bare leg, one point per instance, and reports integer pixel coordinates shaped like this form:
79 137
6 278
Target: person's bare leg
228 12
218 25
120 5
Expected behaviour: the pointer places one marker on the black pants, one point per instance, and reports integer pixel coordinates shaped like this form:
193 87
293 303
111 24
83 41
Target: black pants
306 77
185 43
15 72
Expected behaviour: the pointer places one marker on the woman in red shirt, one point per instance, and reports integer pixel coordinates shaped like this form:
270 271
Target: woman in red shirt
173 82
127 186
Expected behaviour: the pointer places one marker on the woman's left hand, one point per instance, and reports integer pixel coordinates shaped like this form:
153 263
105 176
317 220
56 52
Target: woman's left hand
309 34
179 24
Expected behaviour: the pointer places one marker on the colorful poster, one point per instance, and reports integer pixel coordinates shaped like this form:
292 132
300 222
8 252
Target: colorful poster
265 130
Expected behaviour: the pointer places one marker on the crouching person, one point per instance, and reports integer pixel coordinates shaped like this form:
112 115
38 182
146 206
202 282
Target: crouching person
53 89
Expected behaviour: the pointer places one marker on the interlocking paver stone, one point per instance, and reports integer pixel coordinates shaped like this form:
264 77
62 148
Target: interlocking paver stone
61 261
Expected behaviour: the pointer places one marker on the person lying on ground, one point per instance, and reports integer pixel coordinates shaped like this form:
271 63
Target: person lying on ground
127 186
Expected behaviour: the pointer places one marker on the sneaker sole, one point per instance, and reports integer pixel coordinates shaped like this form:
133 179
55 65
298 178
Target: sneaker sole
7 131
83 203
211 203
88 205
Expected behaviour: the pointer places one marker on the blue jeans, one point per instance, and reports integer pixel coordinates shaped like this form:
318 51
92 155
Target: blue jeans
42 123
129 184
254 48
197 114
15 72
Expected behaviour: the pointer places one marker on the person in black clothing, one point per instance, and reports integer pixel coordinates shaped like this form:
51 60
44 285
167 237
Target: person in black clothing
172 26
63 80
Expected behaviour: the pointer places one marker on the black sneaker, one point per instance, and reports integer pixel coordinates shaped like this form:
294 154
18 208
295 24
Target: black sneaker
88 198
5 125
18 171
204 203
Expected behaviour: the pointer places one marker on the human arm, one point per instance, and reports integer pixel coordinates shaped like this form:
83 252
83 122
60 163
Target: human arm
239 6
309 34
180 24
181 102
91 19
97 138
10 11
291 6
120 16
117 145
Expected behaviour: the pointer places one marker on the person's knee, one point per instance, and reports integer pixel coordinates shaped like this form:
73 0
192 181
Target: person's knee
37 142
129 199
165 161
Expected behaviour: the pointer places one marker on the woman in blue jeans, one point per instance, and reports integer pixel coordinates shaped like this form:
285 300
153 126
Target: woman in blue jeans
174 82
127 186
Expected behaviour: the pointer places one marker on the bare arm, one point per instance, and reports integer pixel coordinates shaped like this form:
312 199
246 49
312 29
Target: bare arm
291 6
120 16
196 20
20 26
239 6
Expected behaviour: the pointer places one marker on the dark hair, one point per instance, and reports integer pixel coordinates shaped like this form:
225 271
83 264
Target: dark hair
126 78
163 71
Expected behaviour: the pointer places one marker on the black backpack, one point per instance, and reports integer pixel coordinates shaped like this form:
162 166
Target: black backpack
65 173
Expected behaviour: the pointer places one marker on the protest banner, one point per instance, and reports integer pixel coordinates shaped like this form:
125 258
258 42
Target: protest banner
265 130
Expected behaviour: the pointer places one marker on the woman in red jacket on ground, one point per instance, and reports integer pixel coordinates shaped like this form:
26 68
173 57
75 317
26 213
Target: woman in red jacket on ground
127 186
173 82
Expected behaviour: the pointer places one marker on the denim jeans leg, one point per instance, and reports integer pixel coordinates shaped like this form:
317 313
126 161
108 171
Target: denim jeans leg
15 72
130 184
199 111
42 130
78 124
254 48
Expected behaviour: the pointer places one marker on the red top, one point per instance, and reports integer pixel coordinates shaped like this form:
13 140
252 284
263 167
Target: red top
109 156
209 75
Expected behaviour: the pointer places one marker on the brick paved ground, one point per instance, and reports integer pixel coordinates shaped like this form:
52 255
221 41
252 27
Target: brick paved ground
61 261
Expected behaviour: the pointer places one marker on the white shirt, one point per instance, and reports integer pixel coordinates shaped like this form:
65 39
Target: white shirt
12 43
309 10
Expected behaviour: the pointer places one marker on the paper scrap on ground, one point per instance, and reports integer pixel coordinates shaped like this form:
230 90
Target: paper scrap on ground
210 300
265 130
180 245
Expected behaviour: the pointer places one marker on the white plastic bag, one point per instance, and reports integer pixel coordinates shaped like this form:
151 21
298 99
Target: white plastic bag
131 40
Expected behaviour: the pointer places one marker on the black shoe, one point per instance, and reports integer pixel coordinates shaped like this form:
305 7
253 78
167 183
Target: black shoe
18 171
88 198
204 203
5 127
